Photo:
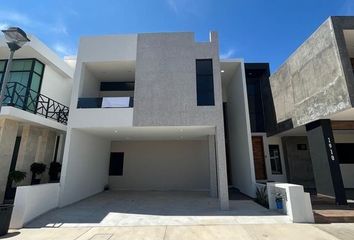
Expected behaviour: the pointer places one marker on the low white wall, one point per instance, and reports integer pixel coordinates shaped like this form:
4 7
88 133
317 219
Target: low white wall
346 169
101 117
85 166
162 165
296 203
241 156
32 201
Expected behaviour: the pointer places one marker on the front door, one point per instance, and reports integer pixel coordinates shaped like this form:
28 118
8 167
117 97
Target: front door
258 157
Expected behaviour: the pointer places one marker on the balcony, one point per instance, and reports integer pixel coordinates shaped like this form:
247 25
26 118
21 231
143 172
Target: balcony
20 96
106 102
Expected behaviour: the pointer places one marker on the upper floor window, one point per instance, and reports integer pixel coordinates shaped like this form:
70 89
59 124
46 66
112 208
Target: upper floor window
26 77
205 82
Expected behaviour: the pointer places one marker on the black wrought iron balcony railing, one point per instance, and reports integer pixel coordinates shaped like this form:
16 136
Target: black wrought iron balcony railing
20 96
106 102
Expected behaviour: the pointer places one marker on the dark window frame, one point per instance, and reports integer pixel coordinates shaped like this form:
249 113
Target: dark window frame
30 76
205 98
276 167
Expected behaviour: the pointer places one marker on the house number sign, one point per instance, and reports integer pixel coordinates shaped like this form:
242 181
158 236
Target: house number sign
330 148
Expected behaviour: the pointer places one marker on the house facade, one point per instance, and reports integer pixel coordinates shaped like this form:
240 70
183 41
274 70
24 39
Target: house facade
313 110
148 112
35 111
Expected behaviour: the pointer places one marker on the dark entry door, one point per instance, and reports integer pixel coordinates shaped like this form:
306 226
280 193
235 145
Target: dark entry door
116 164
258 157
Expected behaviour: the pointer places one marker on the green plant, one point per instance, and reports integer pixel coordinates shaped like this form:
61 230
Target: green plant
17 176
54 170
262 196
37 168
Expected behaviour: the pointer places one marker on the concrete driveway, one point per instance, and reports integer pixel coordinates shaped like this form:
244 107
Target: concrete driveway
153 208
205 232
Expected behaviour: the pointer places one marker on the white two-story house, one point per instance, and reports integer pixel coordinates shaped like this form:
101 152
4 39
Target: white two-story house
35 110
148 112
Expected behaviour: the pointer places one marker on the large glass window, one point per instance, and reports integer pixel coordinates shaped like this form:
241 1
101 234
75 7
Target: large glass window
24 83
275 161
205 82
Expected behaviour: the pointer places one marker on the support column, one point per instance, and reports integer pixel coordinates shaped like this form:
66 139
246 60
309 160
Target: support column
8 133
28 151
324 159
223 190
61 147
212 167
45 151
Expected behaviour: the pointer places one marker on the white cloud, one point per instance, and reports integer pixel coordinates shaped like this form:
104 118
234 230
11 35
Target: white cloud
62 49
14 18
59 27
173 5
196 8
3 25
230 53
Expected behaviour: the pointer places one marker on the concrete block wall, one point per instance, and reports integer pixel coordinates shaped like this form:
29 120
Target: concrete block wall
312 83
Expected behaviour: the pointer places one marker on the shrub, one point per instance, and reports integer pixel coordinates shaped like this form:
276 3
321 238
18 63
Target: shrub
262 196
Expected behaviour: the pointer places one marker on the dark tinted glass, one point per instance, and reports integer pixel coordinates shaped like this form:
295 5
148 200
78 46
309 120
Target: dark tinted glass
205 66
117 86
275 162
345 152
205 82
116 164
255 105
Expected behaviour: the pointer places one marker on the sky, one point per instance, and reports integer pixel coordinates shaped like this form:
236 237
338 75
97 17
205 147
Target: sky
255 30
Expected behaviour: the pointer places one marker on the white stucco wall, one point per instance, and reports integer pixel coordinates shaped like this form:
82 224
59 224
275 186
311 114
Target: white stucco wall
275 140
242 165
85 166
346 169
101 117
107 48
56 86
162 165
32 201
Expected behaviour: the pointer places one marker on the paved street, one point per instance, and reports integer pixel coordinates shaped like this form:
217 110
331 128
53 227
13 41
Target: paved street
201 232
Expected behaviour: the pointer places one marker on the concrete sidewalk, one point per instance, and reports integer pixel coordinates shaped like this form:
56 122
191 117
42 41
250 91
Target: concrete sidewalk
224 232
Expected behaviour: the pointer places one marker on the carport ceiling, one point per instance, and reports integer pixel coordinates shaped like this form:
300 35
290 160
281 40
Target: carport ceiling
153 133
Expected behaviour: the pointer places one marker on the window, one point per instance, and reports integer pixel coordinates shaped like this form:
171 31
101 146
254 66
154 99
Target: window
116 164
26 75
205 82
345 153
301 147
255 106
275 161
